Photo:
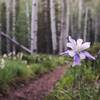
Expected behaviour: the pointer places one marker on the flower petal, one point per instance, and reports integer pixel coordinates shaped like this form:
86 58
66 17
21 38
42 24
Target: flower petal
88 55
82 55
79 43
65 53
85 46
71 53
72 40
76 60
68 53
70 45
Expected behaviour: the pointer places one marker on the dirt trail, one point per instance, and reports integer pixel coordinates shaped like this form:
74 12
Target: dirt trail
37 89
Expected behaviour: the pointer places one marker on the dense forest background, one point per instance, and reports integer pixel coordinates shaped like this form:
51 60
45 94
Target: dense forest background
43 25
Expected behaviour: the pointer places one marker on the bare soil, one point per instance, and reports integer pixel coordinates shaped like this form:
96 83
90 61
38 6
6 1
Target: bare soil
36 89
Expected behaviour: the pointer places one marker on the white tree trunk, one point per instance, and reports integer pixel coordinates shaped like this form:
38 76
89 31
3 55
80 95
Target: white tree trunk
72 6
14 22
8 22
67 23
53 25
80 17
63 26
85 24
34 23
28 20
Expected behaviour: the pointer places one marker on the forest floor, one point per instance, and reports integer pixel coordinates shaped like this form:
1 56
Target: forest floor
36 89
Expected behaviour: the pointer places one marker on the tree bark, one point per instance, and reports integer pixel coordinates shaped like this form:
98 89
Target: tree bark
85 24
28 20
15 42
14 22
0 41
80 18
8 23
67 23
34 24
0 35
53 25
63 26
96 29
47 26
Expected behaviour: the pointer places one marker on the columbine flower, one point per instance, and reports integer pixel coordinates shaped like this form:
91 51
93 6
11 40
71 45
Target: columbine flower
76 50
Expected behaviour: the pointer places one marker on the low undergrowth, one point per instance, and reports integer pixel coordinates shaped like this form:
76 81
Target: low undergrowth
23 67
79 83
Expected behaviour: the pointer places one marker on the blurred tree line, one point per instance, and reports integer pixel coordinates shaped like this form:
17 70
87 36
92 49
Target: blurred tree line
44 25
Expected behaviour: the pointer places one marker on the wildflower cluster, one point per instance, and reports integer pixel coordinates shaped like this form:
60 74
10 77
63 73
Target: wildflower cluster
2 63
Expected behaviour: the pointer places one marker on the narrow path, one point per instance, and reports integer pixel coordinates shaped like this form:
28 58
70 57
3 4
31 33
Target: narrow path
37 89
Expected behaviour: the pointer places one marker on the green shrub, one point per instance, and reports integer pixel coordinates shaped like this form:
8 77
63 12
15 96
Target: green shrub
18 69
79 83
95 48
13 69
41 58
38 69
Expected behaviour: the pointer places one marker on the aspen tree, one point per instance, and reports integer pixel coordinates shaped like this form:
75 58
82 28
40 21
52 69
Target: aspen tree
34 24
8 22
67 23
63 26
28 19
53 25
96 29
85 24
80 17
14 23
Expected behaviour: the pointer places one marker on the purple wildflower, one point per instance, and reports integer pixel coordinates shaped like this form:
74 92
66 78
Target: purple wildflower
77 50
